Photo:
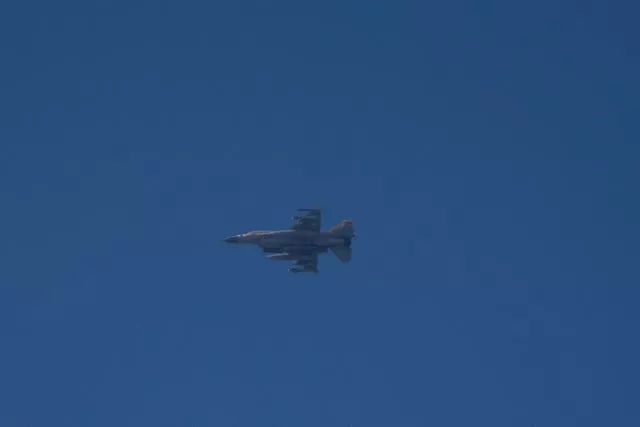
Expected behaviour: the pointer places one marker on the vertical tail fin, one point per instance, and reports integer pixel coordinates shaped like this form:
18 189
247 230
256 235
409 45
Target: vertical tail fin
343 228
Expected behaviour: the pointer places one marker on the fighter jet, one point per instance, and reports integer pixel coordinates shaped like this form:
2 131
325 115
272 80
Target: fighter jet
302 242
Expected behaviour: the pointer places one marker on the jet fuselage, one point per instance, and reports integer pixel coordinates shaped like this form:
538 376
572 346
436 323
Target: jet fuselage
281 238
303 242
272 241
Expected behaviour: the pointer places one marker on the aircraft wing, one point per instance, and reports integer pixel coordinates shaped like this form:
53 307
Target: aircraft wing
308 220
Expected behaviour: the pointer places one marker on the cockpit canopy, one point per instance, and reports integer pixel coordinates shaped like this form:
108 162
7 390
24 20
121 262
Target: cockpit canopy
255 233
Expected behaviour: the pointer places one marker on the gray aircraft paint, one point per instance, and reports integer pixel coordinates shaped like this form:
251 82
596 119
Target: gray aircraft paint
303 242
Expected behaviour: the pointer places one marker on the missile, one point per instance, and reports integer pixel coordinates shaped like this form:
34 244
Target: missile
281 257
286 256
305 269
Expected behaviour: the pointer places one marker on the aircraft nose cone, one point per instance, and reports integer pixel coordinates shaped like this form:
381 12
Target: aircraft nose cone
232 239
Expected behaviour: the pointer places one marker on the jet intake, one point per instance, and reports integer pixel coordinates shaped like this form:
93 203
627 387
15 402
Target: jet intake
271 250
298 249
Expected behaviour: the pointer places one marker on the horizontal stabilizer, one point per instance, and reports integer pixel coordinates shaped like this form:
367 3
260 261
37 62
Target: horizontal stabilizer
342 252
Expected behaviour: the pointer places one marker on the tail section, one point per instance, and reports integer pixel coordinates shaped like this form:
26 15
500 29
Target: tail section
342 252
345 230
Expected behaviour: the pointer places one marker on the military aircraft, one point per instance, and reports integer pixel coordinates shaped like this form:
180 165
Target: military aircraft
302 242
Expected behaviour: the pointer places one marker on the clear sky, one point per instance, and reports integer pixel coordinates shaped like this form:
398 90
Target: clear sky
487 151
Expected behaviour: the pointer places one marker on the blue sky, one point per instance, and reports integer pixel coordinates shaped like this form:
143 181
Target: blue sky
488 154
